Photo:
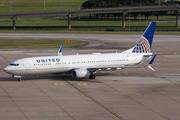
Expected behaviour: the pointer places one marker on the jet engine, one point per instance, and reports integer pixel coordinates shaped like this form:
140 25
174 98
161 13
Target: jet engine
80 73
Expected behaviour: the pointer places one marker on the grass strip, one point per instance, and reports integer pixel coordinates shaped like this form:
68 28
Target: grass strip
87 32
38 43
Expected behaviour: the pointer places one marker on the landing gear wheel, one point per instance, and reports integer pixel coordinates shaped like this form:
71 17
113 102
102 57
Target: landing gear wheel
19 79
92 76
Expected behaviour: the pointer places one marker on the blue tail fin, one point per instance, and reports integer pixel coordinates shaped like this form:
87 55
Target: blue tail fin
145 42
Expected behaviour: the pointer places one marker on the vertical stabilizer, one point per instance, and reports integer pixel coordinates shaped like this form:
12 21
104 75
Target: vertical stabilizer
145 42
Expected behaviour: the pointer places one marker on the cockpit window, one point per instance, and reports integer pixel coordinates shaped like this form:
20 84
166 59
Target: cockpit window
12 64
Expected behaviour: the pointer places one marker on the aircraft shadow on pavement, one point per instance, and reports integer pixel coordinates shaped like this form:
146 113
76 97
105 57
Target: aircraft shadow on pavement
62 77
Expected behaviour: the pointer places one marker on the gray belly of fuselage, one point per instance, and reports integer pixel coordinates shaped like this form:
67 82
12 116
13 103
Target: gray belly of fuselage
39 71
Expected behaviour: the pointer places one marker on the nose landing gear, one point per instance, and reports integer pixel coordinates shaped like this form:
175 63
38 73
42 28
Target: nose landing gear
17 76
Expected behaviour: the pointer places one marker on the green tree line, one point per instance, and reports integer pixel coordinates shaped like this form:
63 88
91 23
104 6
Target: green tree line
116 3
124 3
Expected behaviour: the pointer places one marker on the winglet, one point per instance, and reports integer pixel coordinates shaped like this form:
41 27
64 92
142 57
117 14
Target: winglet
60 51
149 66
151 62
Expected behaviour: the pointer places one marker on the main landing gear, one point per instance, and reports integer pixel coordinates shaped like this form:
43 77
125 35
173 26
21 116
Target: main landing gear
19 79
92 76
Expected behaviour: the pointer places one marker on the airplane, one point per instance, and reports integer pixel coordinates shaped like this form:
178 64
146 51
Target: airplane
86 65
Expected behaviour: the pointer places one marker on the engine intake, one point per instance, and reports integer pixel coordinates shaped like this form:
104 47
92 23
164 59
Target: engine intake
80 73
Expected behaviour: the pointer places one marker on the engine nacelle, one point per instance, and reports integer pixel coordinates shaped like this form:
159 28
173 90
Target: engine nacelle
80 73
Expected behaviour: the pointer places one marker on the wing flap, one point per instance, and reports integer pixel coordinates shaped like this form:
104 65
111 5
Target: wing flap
93 69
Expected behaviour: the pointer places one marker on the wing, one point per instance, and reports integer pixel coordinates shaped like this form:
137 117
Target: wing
93 69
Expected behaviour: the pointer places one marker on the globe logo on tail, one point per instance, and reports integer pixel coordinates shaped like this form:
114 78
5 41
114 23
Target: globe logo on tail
142 46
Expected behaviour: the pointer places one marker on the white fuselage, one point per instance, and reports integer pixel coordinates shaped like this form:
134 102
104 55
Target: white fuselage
63 64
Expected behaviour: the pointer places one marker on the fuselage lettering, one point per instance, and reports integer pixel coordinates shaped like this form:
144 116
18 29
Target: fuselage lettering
38 61
48 60
42 60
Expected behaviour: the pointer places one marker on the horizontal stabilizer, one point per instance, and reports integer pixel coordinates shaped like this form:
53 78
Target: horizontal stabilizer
159 54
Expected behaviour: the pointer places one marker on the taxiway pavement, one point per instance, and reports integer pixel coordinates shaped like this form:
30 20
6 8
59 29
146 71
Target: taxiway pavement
130 94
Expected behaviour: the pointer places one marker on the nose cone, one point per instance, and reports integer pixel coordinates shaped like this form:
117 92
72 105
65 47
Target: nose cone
7 69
